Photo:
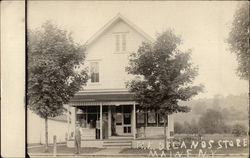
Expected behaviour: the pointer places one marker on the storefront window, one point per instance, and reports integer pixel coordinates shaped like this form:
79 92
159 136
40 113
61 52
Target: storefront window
87 116
140 118
83 121
151 118
161 120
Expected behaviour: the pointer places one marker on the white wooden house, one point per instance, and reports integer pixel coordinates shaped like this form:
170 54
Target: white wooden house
105 108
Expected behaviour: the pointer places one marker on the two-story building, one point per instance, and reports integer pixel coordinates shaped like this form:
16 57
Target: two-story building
105 109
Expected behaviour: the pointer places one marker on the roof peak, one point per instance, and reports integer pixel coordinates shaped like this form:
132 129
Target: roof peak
111 22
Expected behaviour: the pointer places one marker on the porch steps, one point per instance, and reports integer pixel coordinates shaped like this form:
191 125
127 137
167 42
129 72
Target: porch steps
117 143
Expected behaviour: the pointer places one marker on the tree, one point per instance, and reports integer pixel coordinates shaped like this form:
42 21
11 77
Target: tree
212 121
239 39
164 75
54 75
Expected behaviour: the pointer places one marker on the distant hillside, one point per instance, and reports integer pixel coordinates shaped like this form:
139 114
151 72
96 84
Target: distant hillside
234 108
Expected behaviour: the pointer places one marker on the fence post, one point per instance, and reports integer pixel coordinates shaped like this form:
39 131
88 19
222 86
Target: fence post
54 146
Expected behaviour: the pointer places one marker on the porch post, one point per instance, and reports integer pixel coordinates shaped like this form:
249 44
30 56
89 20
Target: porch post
134 121
109 120
101 121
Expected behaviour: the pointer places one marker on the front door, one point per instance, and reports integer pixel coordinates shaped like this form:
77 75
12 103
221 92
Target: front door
121 120
127 119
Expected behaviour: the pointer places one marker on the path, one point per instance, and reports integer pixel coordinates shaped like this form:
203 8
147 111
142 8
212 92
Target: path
109 151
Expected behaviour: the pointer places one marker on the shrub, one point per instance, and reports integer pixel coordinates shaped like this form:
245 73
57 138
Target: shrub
239 129
178 127
227 128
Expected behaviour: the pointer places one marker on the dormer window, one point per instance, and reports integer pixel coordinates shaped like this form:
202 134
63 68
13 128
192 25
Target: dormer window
121 42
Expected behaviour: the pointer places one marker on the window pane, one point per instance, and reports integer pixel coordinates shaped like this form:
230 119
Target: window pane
129 129
140 117
118 119
123 42
92 78
95 77
94 71
93 109
125 130
127 118
105 108
161 120
118 109
127 108
151 117
117 43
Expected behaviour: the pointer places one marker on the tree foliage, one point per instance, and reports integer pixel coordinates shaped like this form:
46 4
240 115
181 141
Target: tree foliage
239 39
53 74
164 74
212 121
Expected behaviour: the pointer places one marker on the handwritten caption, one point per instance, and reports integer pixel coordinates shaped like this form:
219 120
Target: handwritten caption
202 148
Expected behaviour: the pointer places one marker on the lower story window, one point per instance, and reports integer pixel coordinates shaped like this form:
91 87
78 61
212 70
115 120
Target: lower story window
149 118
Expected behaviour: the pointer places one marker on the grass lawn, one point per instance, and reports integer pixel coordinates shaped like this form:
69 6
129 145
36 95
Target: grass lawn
194 151
63 149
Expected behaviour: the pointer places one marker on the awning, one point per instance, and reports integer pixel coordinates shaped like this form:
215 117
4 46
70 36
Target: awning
106 98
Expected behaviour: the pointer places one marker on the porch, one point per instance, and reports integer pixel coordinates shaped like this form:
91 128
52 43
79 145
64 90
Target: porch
111 119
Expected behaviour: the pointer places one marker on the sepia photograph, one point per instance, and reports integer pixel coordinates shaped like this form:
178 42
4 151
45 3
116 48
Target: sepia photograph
137 79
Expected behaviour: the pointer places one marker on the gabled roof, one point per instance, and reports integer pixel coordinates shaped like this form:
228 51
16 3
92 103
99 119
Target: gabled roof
114 21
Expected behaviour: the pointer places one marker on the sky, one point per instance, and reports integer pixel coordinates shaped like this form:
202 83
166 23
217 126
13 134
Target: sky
203 26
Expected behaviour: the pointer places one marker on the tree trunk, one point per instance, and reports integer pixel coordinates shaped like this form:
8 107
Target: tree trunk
46 135
165 133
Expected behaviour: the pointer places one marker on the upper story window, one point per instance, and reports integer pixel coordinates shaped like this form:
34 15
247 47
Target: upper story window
120 42
117 42
94 72
124 42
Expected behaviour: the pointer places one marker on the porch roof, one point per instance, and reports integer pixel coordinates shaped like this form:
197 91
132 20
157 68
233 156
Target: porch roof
106 97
